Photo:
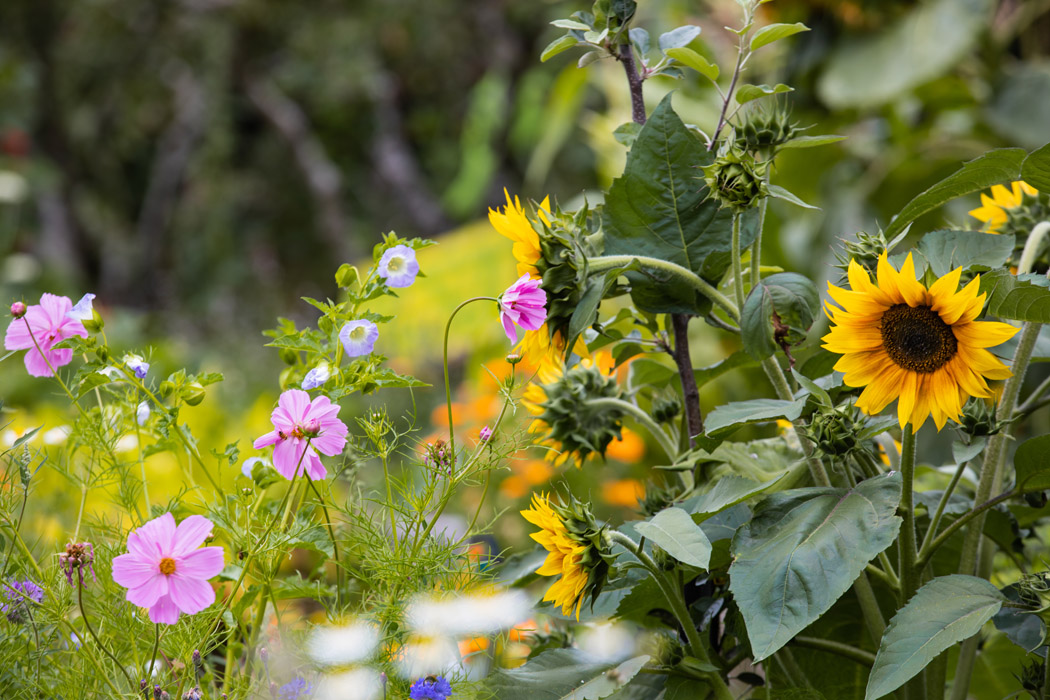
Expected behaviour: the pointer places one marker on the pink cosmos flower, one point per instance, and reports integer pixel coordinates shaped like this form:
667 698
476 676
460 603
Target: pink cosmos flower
524 303
165 571
297 419
50 326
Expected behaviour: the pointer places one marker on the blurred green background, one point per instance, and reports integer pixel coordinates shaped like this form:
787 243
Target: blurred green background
201 164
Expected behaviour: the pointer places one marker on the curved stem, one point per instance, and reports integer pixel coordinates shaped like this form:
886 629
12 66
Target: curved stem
602 263
865 658
448 386
91 631
1032 247
642 417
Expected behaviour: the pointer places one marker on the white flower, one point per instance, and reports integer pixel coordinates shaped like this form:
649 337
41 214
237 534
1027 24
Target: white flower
83 310
468 615
426 655
357 684
335 646
142 413
608 641
56 436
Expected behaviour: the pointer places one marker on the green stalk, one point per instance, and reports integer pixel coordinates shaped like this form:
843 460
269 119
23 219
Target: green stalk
995 458
601 263
448 386
335 545
908 549
91 630
643 418
738 271
935 521
153 657
865 658
673 595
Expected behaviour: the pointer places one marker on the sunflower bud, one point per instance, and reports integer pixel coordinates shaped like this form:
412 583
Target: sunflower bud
765 129
666 409
835 430
736 180
572 420
978 418
865 249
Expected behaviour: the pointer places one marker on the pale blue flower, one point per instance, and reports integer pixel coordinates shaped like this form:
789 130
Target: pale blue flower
358 337
398 266
137 365
142 413
83 309
317 376
249 465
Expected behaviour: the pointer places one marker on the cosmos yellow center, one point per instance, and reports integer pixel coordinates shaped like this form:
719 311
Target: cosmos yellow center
167 566
916 338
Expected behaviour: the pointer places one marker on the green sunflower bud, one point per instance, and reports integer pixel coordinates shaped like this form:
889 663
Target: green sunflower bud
666 409
865 250
765 129
979 419
573 420
835 430
736 180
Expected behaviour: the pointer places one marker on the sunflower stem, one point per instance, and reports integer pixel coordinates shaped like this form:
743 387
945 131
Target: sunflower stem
783 391
907 547
935 522
643 418
738 270
602 263
674 597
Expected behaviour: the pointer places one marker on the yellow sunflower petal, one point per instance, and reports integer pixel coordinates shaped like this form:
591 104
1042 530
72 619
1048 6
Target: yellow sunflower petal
983 334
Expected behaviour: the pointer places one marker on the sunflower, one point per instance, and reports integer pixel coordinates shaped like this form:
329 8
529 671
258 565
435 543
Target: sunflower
545 352
533 399
577 551
513 224
993 210
923 347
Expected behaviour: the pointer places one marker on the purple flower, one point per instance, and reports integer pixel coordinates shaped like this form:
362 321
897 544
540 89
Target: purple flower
398 266
50 325
317 376
19 594
296 420
358 337
485 434
167 570
77 557
524 303
430 688
137 365
296 689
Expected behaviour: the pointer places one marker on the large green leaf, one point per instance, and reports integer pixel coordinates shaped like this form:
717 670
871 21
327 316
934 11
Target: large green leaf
1031 464
794 300
880 67
946 250
553 675
1036 169
726 493
946 610
1001 165
1017 297
678 535
660 208
804 549
738 413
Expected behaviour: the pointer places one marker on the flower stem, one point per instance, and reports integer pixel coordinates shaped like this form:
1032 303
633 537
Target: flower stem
694 419
643 418
448 386
335 545
91 630
602 263
910 571
153 657
673 595
865 658
935 521
738 271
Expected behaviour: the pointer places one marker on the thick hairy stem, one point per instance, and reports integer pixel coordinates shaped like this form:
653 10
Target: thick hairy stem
642 417
634 81
907 546
865 658
690 393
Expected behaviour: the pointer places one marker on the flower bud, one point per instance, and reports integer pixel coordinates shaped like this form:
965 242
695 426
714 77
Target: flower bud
166 389
288 356
18 309
666 409
514 358
193 394
102 353
736 180
95 323
346 276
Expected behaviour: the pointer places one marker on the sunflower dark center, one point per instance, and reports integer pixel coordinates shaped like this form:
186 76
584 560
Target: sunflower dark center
917 339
